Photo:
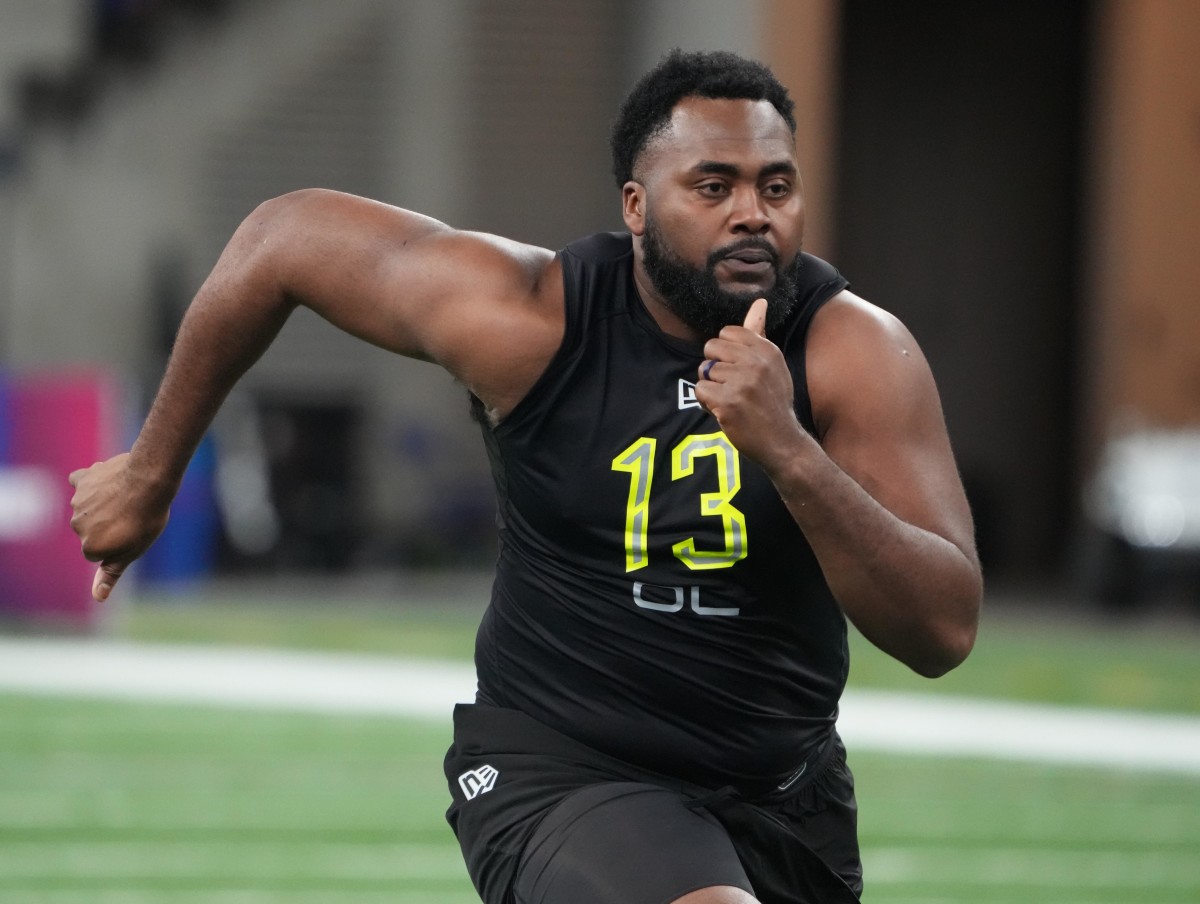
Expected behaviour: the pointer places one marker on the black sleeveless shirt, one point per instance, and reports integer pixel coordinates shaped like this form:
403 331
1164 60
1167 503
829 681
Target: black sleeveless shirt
654 598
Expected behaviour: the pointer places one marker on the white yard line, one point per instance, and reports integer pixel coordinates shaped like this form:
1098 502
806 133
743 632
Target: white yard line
235 676
959 726
339 683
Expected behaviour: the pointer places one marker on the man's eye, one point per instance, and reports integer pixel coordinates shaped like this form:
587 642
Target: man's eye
712 188
777 190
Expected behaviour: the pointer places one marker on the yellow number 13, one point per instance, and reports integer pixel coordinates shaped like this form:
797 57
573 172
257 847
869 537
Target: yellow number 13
638 462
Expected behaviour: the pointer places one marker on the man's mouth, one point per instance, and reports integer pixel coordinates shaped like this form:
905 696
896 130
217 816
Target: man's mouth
751 256
748 263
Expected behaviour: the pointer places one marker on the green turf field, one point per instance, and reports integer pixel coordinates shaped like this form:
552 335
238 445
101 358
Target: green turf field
131 803
114 802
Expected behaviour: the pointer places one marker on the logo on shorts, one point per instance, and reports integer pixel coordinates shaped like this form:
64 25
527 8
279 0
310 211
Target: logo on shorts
478 781
794 777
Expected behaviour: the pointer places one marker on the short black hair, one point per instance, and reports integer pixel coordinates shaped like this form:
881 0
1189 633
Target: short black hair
717 74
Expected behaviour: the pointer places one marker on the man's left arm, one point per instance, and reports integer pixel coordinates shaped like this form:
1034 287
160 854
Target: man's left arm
878 496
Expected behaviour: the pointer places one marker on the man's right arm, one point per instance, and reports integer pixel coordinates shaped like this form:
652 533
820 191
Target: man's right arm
486 309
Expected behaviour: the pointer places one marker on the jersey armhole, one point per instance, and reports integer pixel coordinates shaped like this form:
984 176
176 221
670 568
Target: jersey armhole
823 293
572 341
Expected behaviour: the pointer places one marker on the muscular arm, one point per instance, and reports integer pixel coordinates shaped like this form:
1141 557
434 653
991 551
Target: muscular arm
878 498
486 309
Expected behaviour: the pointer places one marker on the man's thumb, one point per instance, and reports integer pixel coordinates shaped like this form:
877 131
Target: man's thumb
756 318
107 576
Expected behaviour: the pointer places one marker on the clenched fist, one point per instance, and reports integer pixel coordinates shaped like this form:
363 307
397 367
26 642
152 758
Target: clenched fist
117 517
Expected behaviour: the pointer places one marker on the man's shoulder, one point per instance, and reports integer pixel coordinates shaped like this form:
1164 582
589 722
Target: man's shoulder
817 274
601 247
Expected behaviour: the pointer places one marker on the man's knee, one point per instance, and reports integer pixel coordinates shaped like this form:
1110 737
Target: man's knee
717 894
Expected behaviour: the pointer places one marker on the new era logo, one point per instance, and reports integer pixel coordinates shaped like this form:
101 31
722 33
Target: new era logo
477 781
687 395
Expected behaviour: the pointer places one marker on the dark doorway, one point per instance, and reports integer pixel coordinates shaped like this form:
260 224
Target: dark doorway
959 211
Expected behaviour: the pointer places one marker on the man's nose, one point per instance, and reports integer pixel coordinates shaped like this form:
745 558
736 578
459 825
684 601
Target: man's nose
749 213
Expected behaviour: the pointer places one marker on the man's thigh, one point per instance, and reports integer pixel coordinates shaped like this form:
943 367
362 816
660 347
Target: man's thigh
625 843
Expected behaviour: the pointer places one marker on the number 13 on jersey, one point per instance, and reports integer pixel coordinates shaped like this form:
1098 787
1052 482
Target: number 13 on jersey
638 461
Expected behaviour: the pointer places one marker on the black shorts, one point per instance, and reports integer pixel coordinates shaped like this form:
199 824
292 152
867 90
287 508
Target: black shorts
543 819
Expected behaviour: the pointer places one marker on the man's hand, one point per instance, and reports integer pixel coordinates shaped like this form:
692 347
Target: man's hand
116 517
745 383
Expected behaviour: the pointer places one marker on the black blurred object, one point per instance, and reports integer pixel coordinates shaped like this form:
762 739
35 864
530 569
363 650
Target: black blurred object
311 448
46 97
134 31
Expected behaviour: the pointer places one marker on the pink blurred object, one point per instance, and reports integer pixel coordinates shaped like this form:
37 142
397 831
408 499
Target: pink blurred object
50 425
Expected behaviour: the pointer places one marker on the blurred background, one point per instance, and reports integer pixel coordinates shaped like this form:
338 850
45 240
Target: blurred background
1018 181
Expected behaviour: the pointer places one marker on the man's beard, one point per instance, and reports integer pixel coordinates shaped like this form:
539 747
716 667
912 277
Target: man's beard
696 297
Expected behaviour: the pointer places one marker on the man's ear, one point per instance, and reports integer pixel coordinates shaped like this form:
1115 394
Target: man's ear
633 206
